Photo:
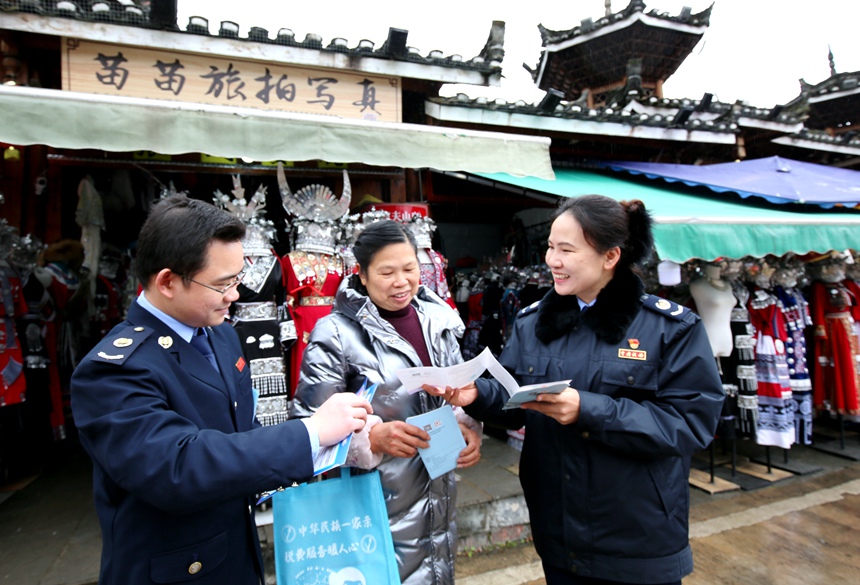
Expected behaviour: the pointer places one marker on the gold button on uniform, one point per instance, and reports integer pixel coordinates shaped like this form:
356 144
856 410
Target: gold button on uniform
531 369
586 434
195 567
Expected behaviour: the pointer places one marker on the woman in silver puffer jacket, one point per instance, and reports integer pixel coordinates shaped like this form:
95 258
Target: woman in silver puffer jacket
383 320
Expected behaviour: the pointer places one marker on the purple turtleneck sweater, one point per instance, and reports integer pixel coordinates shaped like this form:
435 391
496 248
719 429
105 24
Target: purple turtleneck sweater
406 323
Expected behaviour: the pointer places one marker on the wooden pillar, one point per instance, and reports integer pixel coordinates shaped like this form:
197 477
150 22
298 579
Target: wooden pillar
414 190
398 190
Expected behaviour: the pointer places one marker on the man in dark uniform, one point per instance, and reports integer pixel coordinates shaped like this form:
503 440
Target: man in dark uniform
165 408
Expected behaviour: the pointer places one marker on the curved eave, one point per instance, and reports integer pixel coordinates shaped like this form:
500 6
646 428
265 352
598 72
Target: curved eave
243 49
808 144
769 125
834 95
613 28
496 118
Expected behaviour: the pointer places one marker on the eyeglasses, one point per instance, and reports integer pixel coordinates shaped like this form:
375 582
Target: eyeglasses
222 291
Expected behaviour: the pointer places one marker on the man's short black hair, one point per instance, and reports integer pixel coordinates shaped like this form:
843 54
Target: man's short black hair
177 234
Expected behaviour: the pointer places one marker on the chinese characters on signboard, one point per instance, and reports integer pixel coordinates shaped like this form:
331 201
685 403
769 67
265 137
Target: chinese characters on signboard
92 67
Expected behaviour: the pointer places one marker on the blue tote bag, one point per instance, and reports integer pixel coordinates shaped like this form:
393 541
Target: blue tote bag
334 532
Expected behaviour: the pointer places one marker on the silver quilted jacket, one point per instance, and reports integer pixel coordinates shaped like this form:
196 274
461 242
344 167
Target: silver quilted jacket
353 343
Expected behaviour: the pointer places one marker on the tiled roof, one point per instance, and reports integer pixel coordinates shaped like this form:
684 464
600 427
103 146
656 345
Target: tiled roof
832 85
817 137
834 103
138 14
704 115
598 54
588 26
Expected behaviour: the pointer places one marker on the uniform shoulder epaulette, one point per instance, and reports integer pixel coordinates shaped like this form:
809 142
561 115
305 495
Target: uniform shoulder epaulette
115 348
530 309
664 307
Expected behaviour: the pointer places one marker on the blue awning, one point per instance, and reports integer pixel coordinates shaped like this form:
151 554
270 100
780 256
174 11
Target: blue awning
775 179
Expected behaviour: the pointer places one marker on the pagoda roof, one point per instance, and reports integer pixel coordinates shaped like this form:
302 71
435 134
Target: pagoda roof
832 104
135 25
595 54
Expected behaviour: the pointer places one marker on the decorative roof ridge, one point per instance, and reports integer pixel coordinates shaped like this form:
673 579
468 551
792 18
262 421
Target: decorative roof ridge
834 83
703 105
724 120
124 12
849 138
588 25
113 11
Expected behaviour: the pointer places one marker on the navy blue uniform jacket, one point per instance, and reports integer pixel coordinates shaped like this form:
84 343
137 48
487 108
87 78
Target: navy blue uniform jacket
608 495
178 455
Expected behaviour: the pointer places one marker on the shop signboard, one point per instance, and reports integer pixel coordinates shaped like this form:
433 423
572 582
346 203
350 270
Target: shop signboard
130 71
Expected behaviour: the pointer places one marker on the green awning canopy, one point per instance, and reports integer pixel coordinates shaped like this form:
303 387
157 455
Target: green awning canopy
65 119
689 225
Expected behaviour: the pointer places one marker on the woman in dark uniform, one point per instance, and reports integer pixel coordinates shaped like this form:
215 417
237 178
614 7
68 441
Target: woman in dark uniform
605 463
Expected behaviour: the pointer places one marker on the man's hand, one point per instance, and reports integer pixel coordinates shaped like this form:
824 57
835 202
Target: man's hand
472 453
340 415
398 439
562 407
457 396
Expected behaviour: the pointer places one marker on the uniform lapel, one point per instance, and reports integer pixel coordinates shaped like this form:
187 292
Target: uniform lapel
192 361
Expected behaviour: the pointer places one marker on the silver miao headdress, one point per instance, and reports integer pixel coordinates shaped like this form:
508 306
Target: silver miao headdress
422 227
317 212
260 232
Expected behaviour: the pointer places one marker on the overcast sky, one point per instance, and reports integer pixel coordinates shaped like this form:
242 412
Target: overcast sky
754 50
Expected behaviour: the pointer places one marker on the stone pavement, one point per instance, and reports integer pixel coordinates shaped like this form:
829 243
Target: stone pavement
49 533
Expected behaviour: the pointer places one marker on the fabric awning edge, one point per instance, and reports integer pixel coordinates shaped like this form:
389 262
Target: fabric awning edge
117 124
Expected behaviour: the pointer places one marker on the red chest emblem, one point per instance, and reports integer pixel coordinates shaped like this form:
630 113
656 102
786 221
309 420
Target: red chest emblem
240 363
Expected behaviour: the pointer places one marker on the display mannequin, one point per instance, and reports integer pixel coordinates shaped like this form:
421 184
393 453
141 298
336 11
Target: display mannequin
775 425
795 310
13 385
714 303
108 307
836 380
259 316
39 332
313 270
431 263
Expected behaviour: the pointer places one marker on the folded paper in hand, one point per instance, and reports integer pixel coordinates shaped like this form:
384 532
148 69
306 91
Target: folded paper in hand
460 375
529 393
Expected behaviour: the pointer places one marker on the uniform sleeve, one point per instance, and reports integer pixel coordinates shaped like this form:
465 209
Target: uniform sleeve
683 413
492 395
168 452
